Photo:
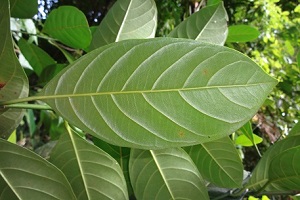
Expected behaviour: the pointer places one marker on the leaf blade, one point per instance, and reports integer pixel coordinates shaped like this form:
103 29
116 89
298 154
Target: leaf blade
242 33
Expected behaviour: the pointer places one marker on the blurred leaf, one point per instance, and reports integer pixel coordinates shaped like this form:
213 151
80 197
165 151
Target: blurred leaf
298 59
207 25
245 141
92 173
165 174
25 175
69 25
13 137
13 81
218 162
30 120
23 9
212 2
295 130
127 19
289 48
242 33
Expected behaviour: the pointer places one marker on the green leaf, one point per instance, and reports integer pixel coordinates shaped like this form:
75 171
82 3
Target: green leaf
13 81
260 175
92 173
127 19
218 162
242 33
69 25
23 9
298 59
165 174
245 141
207 25
158 93
49 72
37 57
212 2
295 130
25 175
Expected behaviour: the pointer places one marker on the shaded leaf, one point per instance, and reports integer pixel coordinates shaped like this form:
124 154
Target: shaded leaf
69 25
165 174
92 173
24 175
295 130
13 81
159 93
23 9
127 19
242 33
212 2
207 25
218 162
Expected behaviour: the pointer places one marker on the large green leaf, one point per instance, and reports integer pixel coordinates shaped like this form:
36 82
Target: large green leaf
25 175
260 175
242 33
159 93
218 162
69 25
165 174
127 19
93 174
207 25
13 81
23 9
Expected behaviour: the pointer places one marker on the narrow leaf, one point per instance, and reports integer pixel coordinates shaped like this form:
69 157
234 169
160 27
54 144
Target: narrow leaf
159 93
69 25
207 25
242 33
25 175
23 9
218 162
93 174
13 81
165 174
127 19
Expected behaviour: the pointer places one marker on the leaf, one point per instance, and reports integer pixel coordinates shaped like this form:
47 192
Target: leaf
127 19
23 9
242 33
159 93
260 175
37 57
207 25
295 130
298 60
165 174
212 2
69 25
92 173
13 81
24 175
243 140
284 172
218 162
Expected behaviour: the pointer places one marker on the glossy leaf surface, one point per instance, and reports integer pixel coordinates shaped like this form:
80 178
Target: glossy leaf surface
242 33
218 162
165 174
24 175
23 9
92 173
69 25
159 93
127 19
207 25
13 81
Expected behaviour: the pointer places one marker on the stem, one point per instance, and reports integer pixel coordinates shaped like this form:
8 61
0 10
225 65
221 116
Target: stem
40 36
21 100
27 106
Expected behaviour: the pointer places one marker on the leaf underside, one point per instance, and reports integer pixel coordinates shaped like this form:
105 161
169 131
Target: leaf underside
159 93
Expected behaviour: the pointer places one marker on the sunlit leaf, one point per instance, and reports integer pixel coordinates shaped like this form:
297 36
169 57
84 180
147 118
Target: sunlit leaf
165 174
13 81
23 9
127 19
159 93
207 25
243 140
242 33
25 175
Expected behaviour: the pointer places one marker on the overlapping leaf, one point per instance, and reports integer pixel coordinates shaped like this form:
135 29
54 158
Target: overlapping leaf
218 162
92 173
165 174
25 175
207 25
23 9
13 81
159 93
127 19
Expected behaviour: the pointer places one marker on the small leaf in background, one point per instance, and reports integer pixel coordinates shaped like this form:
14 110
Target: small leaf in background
218 162
165 174
69 25
13 81
23 9
295 130
25 175
207 25
242 33
127 19
92 173
243 140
